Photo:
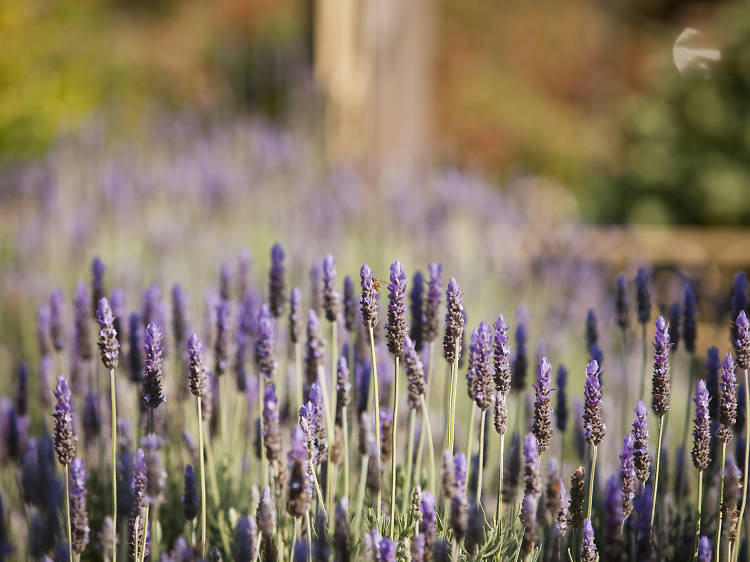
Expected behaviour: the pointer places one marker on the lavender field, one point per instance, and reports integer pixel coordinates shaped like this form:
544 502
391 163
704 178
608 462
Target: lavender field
219 347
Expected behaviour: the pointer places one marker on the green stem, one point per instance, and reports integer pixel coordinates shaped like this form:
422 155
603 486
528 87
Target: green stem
145 535
426 427
747 458
67 511
203 478
376 401
345 429
394 433
691 378
114 456
499 507
698 515
470 439
309 536
591 480
656 475
625 378
454 384
721 500
481 455
409 456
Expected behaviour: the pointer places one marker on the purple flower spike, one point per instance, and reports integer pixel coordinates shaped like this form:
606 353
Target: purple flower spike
108 344
264 355
350 306
542 424
396 327
627 475
702 428
190 495
432 305
593 419
300 478
414 374
588 549
79 517
520 361
643 297
459 506
738 300
330 294
728 401
690 311
661 383
742 341
197 372
312 420
387 550
416 307
295 316
532 474
65 435
43 321
82 309
640 442
592 333
369 299
673 327
271 431
277 282
622 302
97 281
481 368
613 542
153 384
314 348
454 322
221 345
713 365
704 549
57 322
502 356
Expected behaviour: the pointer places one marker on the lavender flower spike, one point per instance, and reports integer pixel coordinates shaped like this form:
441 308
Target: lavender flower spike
588 550
79 518
350 306
153 384
502 356
264 354
542 424
190 495
65 435
643 297
416 307
331 299
108 345
369 299
295 316
197 372
396 327
627 475
271 432
704 549
277 281
57 322
728 402
689 312
454 322
314 349
622 302
661 383
414 374
82 317
702 429
532 470
432 304
480 375
640 443
561 412
742 341
593 419
459 507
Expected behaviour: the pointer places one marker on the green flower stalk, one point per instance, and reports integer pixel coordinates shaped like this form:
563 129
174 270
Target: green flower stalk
660 394
454 327
593 421
110 348
197 380
742 346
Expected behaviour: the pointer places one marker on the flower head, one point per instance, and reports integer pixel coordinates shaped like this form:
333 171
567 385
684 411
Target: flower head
561 412
480 375
331 298
542 424
661 383
414 374
432 304
153 385
416 307
520 360
593 419
689 312
454 322
190 495
701 429
295 316
622 302
588 549
396 327
264 354
79 518
643 297
369 299
57 322
350 306
314 348
577 497
271 432
742 341
82 317
640 442
108 344
197 371
627 475
728 402
501 414
501 350
277 282
65 435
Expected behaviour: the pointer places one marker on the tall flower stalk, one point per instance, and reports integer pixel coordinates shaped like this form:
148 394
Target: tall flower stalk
727 419
331 305
742 347
454 327
396 334
701 450
369 307
501 359
197 381
109 348
415 395
661 388
65 443
593 421
622 308
480 386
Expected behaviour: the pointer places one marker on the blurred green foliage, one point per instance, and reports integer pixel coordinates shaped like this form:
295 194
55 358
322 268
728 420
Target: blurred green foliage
684 152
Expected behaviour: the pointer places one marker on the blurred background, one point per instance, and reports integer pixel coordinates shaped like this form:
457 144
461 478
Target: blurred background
585 92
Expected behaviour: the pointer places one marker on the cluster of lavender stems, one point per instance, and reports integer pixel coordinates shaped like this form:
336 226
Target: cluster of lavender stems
299 500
